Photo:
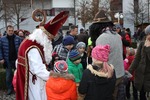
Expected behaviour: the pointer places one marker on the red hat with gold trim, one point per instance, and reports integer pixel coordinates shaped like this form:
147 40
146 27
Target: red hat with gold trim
56 23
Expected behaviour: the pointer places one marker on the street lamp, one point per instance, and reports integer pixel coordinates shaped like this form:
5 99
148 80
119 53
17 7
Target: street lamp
118 15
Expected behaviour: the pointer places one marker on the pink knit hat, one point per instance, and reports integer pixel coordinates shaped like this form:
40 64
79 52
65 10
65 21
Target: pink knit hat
101 52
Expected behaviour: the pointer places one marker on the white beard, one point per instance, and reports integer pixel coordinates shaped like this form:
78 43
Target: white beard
43 40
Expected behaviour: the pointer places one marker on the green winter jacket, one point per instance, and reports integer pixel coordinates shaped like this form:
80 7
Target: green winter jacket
76 70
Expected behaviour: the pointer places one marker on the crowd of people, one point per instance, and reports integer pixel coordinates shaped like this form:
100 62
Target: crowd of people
98 64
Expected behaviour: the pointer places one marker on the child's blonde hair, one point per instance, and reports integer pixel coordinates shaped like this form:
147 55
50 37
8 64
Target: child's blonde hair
130 51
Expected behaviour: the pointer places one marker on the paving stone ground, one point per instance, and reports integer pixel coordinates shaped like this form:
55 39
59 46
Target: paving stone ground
3 96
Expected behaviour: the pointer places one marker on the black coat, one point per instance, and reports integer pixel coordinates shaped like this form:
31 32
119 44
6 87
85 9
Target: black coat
95 87
141 66
84 60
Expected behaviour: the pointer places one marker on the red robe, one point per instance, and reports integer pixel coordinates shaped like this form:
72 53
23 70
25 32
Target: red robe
22 82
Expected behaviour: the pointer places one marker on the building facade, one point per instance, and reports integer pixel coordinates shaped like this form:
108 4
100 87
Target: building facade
51 7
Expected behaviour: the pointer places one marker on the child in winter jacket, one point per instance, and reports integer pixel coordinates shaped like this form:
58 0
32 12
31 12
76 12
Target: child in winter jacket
127 62
74 65
98 80
61 85
81 47
65 47
55 58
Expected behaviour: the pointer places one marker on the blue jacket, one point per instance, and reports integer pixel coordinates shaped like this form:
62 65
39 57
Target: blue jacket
4 47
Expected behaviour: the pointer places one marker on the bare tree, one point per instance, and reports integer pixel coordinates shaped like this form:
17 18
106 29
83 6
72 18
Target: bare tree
84 12
1 9
105 4
138 12
115 7
94 7
15 10
87 10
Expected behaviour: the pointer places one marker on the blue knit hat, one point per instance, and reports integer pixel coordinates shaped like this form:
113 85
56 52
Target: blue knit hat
68 40
74 55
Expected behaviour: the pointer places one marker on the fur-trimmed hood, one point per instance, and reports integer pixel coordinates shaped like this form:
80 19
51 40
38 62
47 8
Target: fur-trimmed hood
58 84
101 73
58 75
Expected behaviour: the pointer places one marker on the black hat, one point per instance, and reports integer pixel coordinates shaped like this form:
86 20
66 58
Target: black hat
101 17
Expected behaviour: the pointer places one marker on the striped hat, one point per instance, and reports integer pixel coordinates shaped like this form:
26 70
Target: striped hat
74 55
61 67
80 45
